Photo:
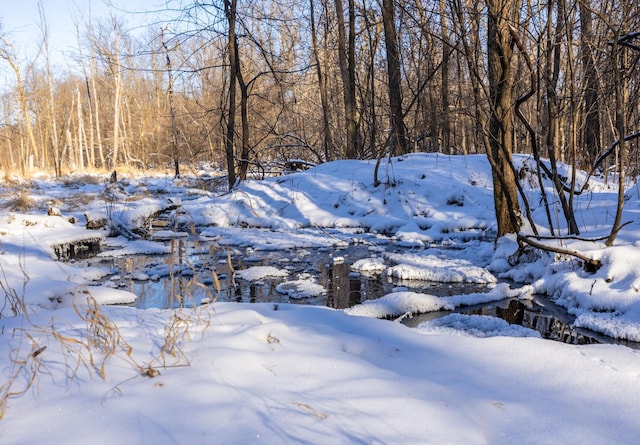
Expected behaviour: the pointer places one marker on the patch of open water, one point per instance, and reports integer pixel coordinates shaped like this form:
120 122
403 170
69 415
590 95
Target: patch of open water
205 272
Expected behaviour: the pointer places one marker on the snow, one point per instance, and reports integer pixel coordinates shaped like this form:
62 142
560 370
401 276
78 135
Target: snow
304 374
257 273
398 303
442 270
369 265
295 373
474 326
300 289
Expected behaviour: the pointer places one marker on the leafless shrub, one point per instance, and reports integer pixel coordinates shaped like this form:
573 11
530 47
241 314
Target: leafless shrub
82 180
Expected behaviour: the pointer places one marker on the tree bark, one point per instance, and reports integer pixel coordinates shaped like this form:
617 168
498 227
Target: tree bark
322 84
619 58
501 14
230 7
398 138
592 140
552 76
444 95
346 56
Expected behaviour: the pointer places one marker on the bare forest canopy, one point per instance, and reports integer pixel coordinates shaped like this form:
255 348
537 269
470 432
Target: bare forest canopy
248 84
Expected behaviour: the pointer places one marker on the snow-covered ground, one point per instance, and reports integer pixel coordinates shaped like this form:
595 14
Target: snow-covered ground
76 369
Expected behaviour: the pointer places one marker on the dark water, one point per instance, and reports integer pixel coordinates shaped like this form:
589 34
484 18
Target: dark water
196 273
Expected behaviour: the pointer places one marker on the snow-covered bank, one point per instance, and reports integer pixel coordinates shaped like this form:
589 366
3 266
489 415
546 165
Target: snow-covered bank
314 375
283 373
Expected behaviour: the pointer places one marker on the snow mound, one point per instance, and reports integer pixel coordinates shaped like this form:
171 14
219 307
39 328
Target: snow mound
104 295
256 273
500 292
299 289
442 270
474 326
398 303
369 265
624 326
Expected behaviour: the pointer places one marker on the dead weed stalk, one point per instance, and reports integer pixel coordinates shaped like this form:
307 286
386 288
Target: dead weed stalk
23 373
103 335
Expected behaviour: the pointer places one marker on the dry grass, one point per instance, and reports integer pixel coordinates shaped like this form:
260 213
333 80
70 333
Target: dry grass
80 180
102 335
12 301
89 350
23 374
22 202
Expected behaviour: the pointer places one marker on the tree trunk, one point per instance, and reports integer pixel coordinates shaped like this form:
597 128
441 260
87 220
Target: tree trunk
244 119
322 84
501 14
618 56
592 141
81 138
8 54
230 7
172 112
346 56
445 122
53 130
398 138
553 60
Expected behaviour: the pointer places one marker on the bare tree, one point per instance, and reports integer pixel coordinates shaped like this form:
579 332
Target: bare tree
8 54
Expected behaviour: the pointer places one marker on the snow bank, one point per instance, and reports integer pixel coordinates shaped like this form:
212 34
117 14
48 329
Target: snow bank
369 265
303 374
341 194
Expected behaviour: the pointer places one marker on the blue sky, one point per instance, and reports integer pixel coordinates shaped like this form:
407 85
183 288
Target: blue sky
21 23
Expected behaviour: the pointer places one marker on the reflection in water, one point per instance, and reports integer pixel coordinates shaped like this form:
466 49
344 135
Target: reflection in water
539 314
345 289
532 315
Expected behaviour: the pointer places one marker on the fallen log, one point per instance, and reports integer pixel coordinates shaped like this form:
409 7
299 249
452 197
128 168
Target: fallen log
589 264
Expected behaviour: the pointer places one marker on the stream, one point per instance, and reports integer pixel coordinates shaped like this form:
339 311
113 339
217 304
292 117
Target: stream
199 272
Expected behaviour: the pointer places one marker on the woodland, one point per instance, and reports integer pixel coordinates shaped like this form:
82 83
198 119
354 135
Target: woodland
254 86
414 120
